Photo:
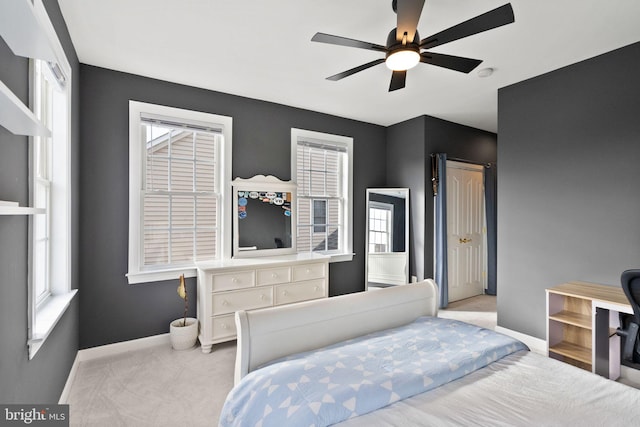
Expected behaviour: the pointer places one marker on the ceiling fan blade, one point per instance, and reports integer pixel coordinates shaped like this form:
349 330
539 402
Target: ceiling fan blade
343 41
362 67
457 63
398 79
498 17
408 12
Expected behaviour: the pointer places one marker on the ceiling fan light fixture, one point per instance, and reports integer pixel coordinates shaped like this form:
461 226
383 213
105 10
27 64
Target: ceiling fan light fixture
402 59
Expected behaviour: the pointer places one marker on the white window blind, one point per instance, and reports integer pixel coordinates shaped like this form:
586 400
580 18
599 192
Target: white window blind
180 191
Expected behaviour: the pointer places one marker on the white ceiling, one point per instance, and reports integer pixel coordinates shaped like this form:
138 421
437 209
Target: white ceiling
262 49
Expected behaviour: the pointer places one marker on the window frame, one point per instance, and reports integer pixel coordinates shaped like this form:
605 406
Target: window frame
44 311
346 252
137 272
41 184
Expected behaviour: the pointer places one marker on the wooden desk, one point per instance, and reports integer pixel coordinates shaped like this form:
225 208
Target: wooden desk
581 322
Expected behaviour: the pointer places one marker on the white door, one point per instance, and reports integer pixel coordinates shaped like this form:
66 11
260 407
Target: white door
465 230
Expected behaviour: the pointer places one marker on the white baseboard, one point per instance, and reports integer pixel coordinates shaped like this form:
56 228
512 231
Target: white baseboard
122 347
64 396
536 345
109 350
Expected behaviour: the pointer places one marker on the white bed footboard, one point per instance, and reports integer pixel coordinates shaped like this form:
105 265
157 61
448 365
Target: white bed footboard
272 333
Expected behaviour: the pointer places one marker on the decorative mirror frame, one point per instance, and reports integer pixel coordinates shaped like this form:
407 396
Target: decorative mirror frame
268 183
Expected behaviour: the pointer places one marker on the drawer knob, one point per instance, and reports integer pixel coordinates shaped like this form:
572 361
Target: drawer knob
225 326
308 270
316 288
234 280
224 302
285 293
263 297
274 275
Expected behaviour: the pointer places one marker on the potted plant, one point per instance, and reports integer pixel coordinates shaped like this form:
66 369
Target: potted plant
184 331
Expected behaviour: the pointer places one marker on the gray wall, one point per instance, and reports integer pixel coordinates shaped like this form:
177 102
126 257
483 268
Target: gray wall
406 168
568 196
409 146
111 310
41 379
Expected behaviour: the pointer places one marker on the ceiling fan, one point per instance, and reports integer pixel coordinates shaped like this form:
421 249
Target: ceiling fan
404 49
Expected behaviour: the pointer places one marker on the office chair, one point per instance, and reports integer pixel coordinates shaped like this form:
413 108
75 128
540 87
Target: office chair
630 280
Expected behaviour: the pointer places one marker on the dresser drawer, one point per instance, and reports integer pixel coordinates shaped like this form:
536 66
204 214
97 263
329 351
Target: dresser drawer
230 302
273 276
236 280
301 291
223 326
309 271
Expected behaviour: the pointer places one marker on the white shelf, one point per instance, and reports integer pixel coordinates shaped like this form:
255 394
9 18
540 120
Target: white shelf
26 36
19 210
23 32
16 117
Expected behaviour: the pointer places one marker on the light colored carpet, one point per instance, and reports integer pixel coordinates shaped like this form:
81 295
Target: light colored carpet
480 310
160 387
156 386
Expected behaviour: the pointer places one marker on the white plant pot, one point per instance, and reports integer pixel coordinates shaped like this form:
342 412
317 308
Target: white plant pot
183 337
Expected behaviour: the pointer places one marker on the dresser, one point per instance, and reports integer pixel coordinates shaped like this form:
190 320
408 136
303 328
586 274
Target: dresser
227 286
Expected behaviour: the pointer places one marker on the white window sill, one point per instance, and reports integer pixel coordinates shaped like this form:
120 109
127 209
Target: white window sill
160 275
47 316
341 257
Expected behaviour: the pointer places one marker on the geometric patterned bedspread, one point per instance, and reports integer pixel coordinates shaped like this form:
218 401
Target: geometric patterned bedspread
348 379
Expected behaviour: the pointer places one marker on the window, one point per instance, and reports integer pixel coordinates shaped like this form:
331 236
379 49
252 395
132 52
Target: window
322 169
178 182
41 187
380 227
49 292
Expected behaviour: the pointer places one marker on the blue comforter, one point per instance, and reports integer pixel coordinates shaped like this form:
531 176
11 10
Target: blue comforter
329 385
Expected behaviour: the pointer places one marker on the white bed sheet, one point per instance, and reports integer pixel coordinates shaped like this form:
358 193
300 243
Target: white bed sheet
522 389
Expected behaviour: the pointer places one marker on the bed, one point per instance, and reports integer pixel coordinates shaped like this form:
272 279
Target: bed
384 358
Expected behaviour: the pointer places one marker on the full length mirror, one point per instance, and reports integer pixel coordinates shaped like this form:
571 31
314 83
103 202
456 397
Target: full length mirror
263 216
387 239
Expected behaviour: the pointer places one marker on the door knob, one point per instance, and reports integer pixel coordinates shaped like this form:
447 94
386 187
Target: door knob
465 240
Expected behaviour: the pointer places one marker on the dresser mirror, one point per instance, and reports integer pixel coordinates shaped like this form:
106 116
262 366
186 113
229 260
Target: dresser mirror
264 217
387 237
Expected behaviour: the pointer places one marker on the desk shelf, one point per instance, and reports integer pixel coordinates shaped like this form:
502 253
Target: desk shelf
569 328
572 351
572 318
581 321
